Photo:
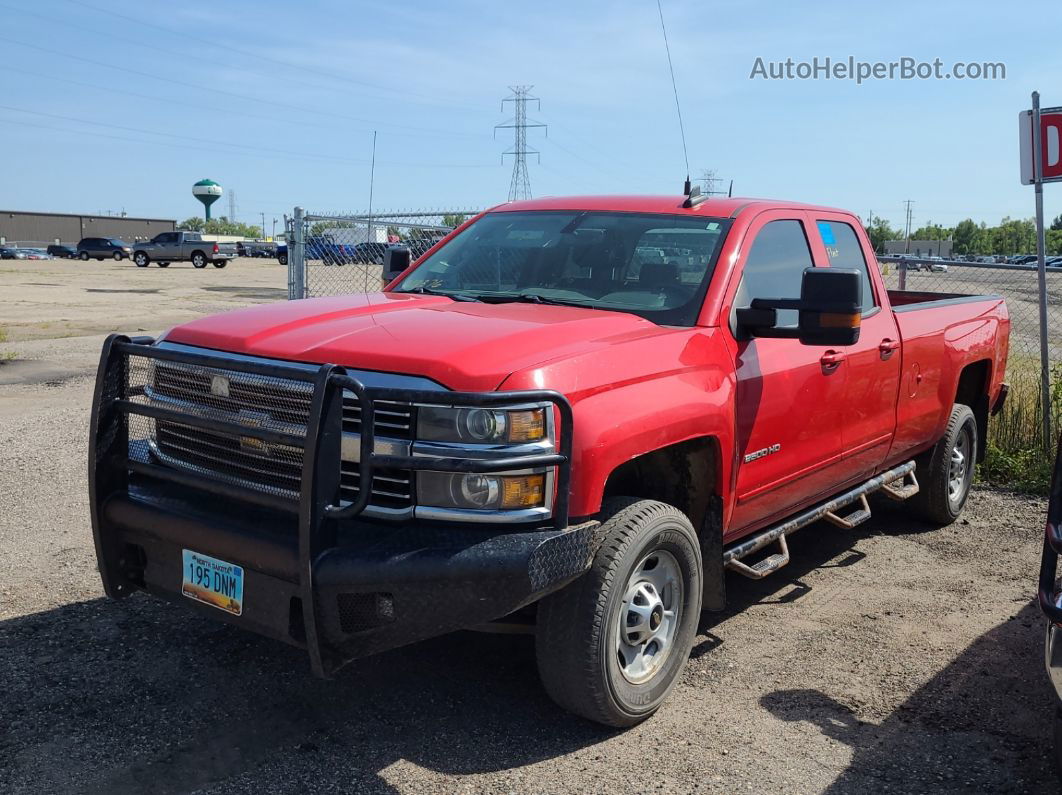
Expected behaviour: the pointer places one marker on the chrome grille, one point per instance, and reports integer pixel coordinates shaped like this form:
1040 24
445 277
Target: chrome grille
256 401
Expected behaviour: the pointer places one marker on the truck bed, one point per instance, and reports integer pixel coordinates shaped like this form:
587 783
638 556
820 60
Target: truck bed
907 300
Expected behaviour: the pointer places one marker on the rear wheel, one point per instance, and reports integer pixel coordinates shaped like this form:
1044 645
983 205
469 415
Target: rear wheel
199 259
282 259
220 263
946 471
118 257
611 645
141 259
163 264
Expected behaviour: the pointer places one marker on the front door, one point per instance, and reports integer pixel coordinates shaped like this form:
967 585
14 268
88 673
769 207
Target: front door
789 396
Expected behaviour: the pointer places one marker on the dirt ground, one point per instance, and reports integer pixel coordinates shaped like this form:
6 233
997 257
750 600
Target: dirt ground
891 658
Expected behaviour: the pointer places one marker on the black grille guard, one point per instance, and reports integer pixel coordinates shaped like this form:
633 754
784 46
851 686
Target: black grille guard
319 507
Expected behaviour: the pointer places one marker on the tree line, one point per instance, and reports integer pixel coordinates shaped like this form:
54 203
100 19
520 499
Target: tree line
220 226
1009 236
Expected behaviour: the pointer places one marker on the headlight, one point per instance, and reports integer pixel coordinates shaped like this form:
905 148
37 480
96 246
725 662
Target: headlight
480 426
481 492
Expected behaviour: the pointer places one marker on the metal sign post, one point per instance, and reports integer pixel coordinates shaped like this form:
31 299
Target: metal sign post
1040 162
1041 267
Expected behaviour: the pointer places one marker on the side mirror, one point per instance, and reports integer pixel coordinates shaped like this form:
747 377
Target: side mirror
395 260
830 309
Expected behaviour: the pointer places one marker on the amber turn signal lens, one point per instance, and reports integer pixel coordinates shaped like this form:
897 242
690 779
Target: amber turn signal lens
836 320
527 426
523 491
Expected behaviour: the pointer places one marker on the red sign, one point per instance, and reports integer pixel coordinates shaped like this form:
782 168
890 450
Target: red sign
1050 145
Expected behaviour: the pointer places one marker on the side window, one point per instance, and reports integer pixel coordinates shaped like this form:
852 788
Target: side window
844 251
775 267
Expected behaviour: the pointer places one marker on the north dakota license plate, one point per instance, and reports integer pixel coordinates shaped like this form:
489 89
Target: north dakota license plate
213 582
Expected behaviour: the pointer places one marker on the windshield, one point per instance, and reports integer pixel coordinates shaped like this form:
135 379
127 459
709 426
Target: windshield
655 266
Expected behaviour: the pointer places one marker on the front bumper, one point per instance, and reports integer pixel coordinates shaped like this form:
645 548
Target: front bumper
315 574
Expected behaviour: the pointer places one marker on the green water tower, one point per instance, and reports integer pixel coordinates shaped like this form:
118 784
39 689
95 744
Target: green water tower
208 192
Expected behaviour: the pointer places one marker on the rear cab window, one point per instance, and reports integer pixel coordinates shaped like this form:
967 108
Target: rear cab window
843 250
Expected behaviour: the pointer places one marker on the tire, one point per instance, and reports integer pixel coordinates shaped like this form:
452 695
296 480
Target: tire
163 264
945 472
141 259
118 256
83 256
580 641
220 263
283 260
199 259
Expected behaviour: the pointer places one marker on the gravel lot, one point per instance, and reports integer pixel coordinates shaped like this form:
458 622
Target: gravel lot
891 658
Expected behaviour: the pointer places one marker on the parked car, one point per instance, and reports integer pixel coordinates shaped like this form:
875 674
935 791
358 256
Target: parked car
62 251
11 252
35 253
183 247
523 426
1053 262
282 253
103 248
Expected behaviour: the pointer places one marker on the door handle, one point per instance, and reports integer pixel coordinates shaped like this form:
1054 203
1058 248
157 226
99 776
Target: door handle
888 347
831 359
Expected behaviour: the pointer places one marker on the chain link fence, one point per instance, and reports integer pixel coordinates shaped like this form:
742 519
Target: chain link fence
339 254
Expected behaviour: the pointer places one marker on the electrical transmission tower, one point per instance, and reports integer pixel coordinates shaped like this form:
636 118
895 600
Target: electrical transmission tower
520 188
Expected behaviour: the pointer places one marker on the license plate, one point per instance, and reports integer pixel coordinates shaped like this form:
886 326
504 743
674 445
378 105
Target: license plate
213 582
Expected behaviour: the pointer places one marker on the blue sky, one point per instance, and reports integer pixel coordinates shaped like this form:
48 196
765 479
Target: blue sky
112 105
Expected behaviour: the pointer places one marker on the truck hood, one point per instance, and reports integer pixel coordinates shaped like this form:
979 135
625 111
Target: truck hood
462 345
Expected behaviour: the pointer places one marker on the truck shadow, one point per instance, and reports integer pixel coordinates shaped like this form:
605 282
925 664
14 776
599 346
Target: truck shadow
982 724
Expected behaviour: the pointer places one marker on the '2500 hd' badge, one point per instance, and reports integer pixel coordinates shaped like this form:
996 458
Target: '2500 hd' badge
774 448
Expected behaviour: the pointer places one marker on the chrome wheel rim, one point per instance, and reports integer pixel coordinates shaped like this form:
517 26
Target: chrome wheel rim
649 616
959 466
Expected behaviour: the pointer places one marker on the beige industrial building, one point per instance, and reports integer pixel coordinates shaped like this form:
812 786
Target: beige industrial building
18 226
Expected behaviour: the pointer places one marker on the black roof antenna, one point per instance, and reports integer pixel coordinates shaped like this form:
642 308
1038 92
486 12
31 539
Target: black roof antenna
687 189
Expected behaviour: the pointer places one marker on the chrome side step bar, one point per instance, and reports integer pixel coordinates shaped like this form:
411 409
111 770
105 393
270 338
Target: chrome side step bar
898 483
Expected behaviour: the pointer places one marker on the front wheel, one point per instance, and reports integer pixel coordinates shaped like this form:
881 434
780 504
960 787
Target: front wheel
118 256
611 645
83 256
945 472
141 259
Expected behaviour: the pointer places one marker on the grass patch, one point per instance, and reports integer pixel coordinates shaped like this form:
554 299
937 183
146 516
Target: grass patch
1015 457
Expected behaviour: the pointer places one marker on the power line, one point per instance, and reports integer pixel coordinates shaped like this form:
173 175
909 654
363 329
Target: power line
201 87
520 186
226 46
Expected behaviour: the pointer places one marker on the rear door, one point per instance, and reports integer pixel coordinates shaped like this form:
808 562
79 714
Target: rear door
788 396
868 418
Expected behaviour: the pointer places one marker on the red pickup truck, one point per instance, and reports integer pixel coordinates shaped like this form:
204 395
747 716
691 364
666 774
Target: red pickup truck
576 413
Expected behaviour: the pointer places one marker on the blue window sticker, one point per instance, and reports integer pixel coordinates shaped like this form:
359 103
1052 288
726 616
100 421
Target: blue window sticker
827 233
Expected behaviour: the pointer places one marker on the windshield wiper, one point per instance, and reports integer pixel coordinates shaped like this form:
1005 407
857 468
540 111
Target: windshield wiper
531 298
429 291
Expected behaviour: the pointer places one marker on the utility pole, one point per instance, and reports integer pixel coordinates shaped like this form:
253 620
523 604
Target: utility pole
232 206
520 187
907 234
263 226
372 177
